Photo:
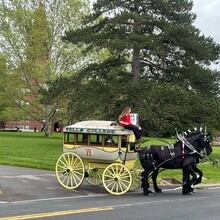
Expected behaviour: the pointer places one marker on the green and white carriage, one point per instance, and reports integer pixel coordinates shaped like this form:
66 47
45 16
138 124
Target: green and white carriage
101 152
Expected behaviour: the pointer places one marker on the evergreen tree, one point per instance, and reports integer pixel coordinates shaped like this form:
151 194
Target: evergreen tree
155 52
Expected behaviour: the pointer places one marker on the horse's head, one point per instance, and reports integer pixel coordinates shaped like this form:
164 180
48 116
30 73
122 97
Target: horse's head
201 141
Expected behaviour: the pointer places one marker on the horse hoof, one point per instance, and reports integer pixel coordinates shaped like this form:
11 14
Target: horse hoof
148 193
193 191
158 191
188 193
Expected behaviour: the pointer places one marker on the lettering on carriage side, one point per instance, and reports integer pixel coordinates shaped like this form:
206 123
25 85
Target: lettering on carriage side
75 129
88 152
91 130
100 131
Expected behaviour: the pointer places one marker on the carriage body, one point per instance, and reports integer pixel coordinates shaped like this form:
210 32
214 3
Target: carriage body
101 152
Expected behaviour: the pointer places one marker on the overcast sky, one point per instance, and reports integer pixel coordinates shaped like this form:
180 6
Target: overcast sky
208 19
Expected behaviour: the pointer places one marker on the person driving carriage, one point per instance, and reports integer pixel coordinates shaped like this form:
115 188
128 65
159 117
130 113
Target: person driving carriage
125 121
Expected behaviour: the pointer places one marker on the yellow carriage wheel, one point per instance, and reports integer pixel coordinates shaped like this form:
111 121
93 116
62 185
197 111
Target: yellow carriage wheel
136 177
94 176
117 179
70 170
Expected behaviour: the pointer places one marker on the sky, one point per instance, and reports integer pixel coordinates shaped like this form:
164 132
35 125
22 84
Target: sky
208 18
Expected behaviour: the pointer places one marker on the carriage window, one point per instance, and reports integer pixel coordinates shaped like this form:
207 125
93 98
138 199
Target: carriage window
69 138
96 139
111 140
124 141
82 138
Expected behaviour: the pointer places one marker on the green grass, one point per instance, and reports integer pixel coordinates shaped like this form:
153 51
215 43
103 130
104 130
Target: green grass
35 151
30 149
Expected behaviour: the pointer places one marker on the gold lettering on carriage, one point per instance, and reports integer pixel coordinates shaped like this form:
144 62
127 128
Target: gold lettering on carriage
88 152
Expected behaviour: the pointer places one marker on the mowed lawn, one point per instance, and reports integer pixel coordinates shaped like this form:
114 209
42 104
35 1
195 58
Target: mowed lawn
29 149
35 151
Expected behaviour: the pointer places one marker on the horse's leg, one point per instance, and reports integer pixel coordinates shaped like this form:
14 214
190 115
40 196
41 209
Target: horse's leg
187 182
186 185
198 179
145 183
154 179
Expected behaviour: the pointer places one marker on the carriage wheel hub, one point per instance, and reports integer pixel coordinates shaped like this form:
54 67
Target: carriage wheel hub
69 170
117 178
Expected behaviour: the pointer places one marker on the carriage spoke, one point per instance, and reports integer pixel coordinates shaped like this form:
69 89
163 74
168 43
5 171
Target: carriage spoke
65 162
113 185
95 176
121 186
75 179
65 165
77 175
61 168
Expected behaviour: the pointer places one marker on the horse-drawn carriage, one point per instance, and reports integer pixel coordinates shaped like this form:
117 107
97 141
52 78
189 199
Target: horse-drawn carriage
100 152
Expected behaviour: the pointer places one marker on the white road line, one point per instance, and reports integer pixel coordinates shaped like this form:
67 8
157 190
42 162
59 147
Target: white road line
27 177
59 198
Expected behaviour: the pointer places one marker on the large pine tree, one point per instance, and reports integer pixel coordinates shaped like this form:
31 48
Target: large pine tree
158 61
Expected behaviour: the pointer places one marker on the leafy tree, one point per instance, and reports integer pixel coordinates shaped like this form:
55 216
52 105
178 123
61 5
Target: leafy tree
31 41
158 62
4 102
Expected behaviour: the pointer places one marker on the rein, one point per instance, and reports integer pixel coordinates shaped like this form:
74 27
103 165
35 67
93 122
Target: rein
159 139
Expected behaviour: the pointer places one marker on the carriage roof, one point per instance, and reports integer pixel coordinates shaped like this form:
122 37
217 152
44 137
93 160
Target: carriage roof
97 127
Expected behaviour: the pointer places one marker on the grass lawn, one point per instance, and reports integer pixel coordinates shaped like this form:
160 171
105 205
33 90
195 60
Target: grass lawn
35 151
30 149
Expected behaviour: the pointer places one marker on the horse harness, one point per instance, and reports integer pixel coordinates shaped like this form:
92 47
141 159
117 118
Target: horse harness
148 156
171 149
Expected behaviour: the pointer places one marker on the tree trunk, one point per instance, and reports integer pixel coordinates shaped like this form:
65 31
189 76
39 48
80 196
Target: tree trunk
136 64
48 128
49 113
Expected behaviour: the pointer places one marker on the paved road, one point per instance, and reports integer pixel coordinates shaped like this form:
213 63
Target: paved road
32 194
19 184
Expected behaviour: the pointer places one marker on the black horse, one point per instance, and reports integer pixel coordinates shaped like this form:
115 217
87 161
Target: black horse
185 154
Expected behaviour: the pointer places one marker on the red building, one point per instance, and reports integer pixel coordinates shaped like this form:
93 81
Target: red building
24 125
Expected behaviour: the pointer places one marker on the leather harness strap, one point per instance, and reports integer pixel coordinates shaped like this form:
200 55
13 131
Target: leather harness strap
183 152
